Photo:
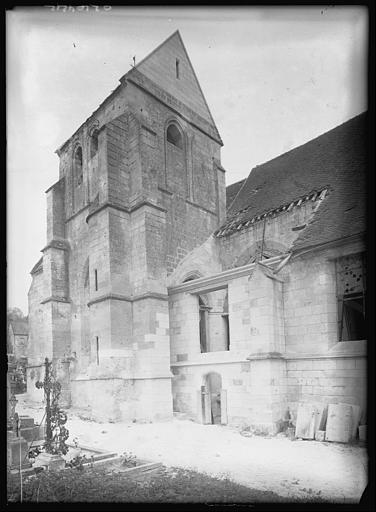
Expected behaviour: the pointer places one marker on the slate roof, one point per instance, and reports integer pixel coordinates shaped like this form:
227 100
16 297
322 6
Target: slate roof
244 218
20 327
232 190
335 161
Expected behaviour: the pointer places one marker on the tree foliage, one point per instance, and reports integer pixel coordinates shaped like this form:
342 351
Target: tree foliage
15 314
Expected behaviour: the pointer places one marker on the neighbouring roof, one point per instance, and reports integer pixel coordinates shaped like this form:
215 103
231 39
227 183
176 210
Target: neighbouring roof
335 161
38 266
20 327
231 192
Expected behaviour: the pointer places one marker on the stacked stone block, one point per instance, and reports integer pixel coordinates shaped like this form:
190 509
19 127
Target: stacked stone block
327 380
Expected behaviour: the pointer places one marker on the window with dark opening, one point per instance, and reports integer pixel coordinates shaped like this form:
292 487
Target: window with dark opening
203 311
97 347
96 279
177 68
94 143
174 136
351 294
214 321
78 165
226 323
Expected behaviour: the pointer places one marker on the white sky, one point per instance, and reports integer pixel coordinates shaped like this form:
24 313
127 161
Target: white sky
273 78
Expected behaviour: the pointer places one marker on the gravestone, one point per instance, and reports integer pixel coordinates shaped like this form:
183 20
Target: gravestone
17 446
17 451
28 429
50 461
307 421
339 425
356 417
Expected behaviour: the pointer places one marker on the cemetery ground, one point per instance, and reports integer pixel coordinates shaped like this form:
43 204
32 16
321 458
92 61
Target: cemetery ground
201 463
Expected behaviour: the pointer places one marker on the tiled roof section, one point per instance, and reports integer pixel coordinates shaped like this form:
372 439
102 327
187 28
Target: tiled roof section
231 192
242 219
335 161
20 327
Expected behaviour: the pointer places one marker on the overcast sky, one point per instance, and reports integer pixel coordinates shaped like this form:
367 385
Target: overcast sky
273 78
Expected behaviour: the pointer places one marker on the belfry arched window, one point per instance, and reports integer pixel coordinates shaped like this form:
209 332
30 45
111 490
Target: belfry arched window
77 164
94 143
174 136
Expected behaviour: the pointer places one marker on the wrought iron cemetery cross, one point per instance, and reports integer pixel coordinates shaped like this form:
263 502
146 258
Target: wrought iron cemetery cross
56 433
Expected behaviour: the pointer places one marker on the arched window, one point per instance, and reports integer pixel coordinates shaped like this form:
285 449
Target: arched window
77 162
94 143
174 136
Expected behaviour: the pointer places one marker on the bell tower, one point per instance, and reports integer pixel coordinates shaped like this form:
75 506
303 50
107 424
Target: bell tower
141 186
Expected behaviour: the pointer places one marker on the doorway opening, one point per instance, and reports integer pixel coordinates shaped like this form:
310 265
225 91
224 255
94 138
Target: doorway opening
212 399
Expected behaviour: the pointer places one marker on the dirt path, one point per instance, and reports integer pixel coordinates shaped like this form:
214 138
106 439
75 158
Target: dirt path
293 469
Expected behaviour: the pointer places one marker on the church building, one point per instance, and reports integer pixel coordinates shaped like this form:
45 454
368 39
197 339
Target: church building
161 292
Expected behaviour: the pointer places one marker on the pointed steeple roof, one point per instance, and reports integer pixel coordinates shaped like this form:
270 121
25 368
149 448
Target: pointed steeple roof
170 68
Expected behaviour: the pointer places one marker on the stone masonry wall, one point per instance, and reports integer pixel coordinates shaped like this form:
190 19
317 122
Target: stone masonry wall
152 117
189 220
56 211
38 342
311 328
79 271
237 248
187 382
118 168
287 328
120 399
327 381
310 301
255 397
202 261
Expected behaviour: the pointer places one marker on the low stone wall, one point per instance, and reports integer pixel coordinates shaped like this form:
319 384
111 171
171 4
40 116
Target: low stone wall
258 392
117 399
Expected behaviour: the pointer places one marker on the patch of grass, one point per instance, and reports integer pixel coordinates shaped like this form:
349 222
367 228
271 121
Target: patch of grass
98 485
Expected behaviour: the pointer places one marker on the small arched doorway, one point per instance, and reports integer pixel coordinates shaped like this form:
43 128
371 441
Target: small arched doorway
212 399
